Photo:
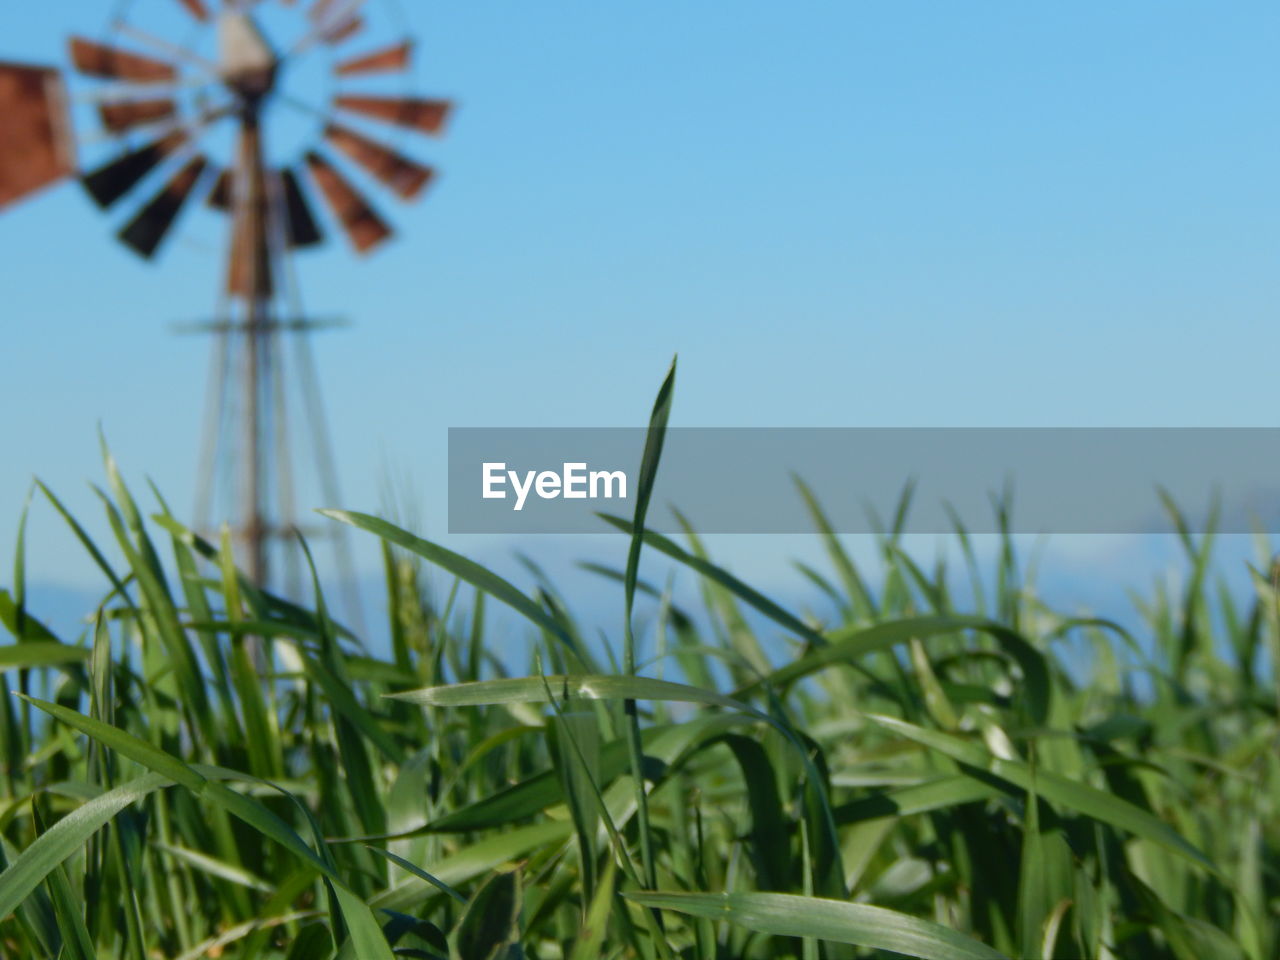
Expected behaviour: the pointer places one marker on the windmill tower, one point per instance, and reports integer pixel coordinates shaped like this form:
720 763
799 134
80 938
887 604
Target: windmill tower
162 104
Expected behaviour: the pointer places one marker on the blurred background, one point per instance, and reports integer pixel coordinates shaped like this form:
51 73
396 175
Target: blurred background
837 214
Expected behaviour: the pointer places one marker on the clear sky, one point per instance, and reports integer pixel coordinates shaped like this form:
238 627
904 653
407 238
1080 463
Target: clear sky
837 213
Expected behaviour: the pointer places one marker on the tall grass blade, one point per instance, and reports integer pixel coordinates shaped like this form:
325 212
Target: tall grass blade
791 915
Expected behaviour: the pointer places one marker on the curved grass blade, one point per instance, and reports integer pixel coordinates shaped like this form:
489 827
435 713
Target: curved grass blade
342 700
365 933
76 941
669 745
214 945
158 602
86 541
18 620
41 653
792 915
858 597
36 914
644 490
471 861
938 794
723 577
419 873
596 923
491 922
848 646
586 686
464 569
768 837
65 837
1071 794
216 868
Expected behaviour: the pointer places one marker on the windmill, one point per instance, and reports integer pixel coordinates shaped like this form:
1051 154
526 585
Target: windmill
160 104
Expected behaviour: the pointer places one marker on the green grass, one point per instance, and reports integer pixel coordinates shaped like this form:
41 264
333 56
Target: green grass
213 772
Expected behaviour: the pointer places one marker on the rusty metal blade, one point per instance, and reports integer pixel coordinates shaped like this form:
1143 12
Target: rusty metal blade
406 177
100 60
196 8
364 228
301 228
36 146
148 228
344 31
385 60
427 116
330 12
123 115
320 9
220 196
114 179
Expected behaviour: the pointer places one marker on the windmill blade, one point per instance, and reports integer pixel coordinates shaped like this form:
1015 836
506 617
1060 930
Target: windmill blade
326 16
406 177
36 147
427 116
196 8
320 10
176 52
148 228
127 114
344 31
114 179
220 196
386 60
328 12
301 228
364 228
100 60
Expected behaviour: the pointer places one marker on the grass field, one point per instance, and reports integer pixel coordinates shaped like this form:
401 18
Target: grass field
213 772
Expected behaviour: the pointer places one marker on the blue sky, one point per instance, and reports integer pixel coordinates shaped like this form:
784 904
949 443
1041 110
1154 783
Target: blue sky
837 213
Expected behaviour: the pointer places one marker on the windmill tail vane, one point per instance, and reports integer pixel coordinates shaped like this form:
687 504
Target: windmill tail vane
157 103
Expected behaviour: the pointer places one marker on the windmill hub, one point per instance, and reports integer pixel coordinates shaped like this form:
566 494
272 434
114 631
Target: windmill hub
247 63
